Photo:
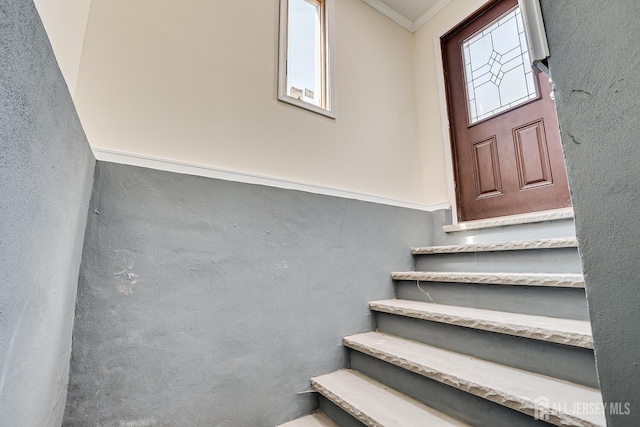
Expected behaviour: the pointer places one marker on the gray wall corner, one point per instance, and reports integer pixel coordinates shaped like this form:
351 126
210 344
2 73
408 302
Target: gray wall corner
595 57
46 171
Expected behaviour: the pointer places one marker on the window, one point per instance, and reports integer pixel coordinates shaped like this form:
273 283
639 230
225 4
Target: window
305 77
497 67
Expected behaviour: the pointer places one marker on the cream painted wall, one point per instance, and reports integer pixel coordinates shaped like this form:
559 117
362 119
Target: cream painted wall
66 23
195 81
432 121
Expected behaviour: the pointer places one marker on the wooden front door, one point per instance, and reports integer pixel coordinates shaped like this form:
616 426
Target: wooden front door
505 137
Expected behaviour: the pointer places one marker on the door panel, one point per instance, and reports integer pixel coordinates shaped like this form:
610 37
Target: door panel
505 138
487 168
532 156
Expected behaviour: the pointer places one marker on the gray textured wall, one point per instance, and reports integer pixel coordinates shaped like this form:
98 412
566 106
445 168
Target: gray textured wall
595 60
211 303
46 174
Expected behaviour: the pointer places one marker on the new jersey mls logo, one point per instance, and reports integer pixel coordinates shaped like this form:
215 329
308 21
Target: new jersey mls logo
542 408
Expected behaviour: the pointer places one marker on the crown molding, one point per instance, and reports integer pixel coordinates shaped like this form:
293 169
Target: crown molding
401 19
391 14
430 14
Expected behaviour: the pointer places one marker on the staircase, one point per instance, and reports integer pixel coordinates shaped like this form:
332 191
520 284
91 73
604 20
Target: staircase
491 330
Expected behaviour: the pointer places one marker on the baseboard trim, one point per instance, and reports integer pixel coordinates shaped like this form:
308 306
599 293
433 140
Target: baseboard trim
151 162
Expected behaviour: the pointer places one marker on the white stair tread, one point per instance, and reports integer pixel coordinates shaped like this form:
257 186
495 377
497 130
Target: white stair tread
563 331
563 242
314 420
514 388
375 404
521 279
552 215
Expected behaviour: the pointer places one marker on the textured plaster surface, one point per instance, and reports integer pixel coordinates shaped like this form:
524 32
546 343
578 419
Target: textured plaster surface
519 279
563 242
562 331
376 405
595 58
516 389
553 215
46 173
205 302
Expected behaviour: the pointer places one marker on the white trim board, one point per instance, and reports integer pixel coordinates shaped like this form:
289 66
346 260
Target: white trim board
442 90
403 20
151 162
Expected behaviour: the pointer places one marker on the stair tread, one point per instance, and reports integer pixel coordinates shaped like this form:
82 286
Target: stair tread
317 419
521 279
375 404
551 215
563 242
514 388
563 331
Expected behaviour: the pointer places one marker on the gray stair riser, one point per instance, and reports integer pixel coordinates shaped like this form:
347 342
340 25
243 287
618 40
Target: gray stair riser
337 415
568 363
560 260
451 401
568 303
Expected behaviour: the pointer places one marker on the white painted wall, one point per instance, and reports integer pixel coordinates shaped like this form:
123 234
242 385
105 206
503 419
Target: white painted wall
66 24
195 82
429 90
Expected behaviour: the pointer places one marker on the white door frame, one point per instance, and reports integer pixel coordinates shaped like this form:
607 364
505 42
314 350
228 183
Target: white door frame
442 91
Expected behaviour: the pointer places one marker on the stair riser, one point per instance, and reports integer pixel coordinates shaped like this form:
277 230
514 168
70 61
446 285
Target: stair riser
561 361
337 415
561 260
459 404
566 303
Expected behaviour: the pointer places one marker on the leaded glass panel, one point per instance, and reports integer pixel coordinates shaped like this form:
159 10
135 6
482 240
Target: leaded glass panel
496 68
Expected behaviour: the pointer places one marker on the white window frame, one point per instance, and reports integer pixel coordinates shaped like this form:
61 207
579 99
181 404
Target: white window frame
328 89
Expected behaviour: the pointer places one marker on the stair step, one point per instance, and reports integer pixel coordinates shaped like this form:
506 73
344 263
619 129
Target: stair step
575 333
314 420
534 217
519 279
374 404
519 390
563 242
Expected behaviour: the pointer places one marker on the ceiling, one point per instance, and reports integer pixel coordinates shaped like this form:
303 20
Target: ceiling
410 9
411 14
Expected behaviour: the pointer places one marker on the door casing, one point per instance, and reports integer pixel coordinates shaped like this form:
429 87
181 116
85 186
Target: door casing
459 19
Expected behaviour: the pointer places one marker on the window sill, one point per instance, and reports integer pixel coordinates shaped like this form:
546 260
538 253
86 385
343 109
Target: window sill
298 103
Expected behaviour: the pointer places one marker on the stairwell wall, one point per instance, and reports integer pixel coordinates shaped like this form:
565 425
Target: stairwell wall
205 302
595 58
196 82
46 175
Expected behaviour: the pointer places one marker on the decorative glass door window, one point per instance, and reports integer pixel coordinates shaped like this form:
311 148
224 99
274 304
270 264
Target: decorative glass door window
496 68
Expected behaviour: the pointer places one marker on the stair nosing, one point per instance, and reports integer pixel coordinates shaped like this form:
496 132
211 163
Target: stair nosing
516 279
516 245
492 393
534 217
429 312
359 413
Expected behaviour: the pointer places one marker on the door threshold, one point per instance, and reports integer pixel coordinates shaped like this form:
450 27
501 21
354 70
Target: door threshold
527 218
